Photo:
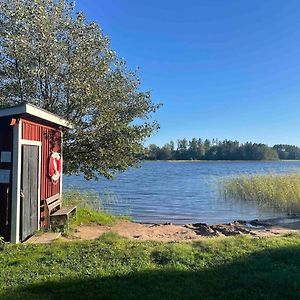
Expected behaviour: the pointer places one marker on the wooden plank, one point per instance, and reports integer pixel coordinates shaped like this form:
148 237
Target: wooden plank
45 238
59 221
33 173
29 201
25 194
51 203
64 211
53 198
60 218
54 205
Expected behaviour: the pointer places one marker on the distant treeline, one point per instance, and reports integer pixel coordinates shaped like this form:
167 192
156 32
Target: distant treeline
198 149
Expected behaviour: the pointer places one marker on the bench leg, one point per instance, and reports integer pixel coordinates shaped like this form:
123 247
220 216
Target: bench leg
59 221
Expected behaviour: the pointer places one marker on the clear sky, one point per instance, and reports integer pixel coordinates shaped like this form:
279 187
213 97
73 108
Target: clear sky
223 69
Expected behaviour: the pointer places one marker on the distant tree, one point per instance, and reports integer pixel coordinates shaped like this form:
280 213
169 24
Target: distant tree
165 153
207 145
223 150
152 152
270 154
201 149
212 153
258 152
193 152
228 150
182 149
287 151
52 57
172 145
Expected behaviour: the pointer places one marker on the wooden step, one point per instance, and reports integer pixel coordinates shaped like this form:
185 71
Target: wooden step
44 238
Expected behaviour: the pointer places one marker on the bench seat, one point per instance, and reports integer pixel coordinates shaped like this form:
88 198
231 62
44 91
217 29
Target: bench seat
56 216
64 211
61 217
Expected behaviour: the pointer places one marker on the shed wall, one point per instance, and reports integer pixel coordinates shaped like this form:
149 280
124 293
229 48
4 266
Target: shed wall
51 141
6 144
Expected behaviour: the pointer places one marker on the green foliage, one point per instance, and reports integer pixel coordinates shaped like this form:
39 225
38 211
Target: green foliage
116 268
197 149
2 243
87 199
281 192
89 209
52 57
287 151
87 215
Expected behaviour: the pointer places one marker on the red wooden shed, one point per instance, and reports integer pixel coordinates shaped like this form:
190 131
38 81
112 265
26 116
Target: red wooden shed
29 138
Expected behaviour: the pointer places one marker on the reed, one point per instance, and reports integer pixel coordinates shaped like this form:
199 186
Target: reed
89 208
281 192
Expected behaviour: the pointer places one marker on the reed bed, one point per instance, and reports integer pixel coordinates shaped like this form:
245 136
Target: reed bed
281 192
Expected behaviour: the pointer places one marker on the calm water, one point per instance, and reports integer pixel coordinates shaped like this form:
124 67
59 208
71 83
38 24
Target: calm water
179 192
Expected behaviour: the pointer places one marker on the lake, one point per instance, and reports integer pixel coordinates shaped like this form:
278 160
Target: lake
179 192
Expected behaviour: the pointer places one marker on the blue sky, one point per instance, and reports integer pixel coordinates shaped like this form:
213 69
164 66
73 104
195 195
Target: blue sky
223 69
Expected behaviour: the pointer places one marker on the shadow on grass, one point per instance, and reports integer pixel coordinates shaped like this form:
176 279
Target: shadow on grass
270 274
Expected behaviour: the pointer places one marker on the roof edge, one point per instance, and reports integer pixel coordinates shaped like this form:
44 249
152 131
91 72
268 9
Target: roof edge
35 111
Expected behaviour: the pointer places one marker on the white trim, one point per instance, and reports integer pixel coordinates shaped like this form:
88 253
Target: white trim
16 184
32 110
39 145
16 181
31 143
61 164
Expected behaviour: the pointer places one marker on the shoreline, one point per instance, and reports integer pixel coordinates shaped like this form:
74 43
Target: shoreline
274 221
169 232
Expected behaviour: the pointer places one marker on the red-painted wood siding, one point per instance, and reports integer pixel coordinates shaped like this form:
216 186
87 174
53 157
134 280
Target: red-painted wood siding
51 141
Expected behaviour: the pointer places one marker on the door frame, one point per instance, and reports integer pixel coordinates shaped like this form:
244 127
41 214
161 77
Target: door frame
16 180
39 145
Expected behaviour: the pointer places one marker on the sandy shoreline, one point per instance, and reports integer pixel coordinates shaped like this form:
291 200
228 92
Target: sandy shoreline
190 232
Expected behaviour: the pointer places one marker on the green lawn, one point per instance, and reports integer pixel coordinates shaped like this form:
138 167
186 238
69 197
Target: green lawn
117 268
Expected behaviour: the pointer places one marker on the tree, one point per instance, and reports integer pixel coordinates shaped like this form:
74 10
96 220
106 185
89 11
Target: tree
207 145
201 150
52 57
152 152
182 149
172 145
193 149
165 152
287 151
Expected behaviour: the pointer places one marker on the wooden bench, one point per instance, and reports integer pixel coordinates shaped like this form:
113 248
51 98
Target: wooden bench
56 216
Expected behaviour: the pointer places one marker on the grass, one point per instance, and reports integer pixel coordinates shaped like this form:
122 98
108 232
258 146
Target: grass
89 209
116 268
281 192
88 215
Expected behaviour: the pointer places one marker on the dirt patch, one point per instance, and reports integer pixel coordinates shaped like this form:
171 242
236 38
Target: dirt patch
154 232
190 232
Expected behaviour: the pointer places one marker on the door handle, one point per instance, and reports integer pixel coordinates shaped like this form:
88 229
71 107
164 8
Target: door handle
21 194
